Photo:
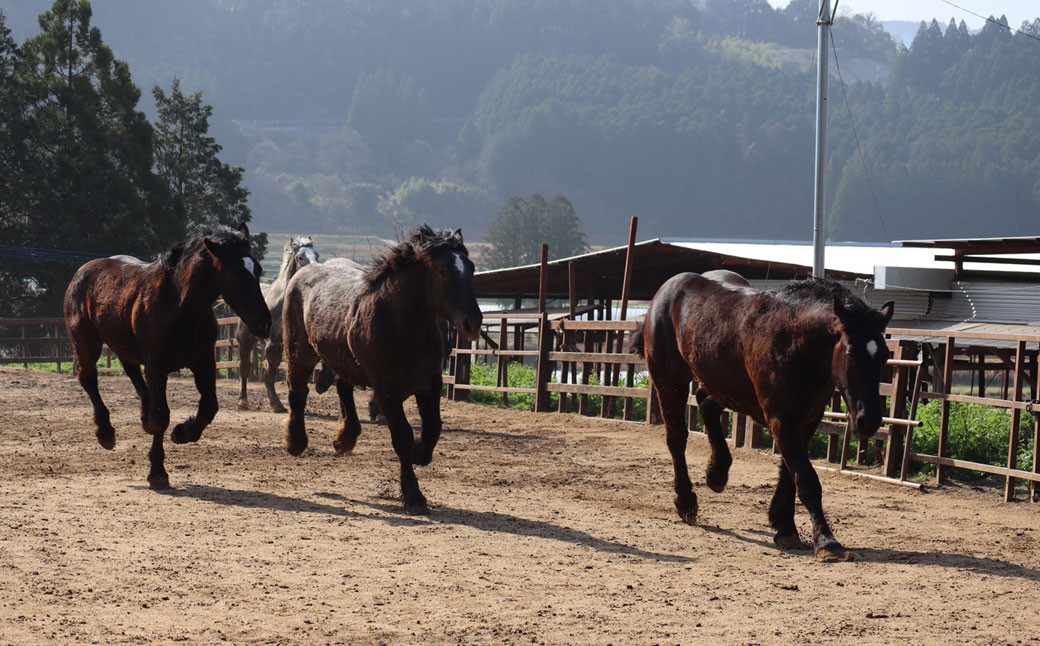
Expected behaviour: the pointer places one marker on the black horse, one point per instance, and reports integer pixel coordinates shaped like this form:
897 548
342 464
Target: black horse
160 315
775 357
379 328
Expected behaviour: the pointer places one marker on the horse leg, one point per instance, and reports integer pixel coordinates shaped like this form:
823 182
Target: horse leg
155 422
807 484
299 371
190 430
133 371
672 401
158 416
373 410
246 343
272 359
349 425
781 512
87 352
721 459
429 404
403 441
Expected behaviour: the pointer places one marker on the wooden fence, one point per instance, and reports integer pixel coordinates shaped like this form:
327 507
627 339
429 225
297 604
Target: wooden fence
45 340
578 360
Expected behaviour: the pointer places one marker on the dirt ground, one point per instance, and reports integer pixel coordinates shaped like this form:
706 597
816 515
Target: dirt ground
545 529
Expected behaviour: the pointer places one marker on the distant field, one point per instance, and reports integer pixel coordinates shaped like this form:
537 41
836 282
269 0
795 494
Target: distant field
358 248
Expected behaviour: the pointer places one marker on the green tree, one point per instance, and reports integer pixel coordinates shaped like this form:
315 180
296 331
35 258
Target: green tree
93 188
520 227
206 189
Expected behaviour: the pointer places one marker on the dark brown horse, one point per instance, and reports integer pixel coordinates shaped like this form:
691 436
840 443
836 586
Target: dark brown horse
379 328
160 315
298 252
775 357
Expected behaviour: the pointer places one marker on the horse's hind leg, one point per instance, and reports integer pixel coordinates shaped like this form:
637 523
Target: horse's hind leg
88 349
246 343
349 425
298 371
272 359
718 466
133 371
190 430
672 393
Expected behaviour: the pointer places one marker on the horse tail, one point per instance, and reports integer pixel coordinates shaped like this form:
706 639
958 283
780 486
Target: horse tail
635 342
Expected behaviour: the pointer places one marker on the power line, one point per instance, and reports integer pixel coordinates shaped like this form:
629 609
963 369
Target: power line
989 19
47 255
859 146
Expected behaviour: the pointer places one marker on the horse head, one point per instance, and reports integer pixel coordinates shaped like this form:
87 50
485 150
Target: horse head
300 253
450 278
858 359
238 278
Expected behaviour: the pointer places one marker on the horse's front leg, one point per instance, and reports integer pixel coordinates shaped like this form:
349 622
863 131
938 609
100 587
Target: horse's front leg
807 484
429 404
155 422
404 445
205 373
272 359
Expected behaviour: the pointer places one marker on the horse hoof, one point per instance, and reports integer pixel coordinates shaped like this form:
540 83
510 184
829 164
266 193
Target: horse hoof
421 456
242 404
790 542
343 446
159 483
278 408
833 553
687 510
717 481
178 436
107 439
418 507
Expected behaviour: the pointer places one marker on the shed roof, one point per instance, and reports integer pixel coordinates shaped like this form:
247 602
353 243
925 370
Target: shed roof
599 274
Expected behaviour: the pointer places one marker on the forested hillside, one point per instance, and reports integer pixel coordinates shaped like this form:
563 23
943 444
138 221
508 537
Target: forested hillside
360 115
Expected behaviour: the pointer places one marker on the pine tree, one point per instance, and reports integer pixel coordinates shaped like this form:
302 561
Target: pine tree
520 227
208 190
94 189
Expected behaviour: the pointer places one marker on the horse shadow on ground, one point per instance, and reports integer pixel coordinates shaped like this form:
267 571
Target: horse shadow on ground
394 515
949 560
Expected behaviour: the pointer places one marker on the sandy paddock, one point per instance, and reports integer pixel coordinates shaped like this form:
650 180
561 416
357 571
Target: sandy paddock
545 529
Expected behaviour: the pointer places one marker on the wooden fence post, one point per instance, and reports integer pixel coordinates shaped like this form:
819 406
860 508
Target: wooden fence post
1016 418
542 370
897 409
944 416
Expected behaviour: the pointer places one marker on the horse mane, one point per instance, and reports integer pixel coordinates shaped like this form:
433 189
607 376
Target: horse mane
824 292
423 243
180 251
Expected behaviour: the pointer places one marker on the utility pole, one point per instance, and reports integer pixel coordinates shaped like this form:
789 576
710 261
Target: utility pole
823 23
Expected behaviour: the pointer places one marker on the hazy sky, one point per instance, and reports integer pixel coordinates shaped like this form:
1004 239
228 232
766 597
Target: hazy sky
1016 10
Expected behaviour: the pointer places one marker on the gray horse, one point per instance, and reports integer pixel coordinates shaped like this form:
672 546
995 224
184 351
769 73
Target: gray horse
298 252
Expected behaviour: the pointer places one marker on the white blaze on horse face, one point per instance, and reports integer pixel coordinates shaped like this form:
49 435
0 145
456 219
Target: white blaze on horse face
247 262
459 265
872 348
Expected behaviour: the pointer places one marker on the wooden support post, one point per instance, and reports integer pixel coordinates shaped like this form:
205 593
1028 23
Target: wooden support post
462 364
740 435
944 416
503 360
25 348
833 443
982 375
626 287
755 439
915 398
1016 419
897 409
653 416
543 370
1034 486
57 345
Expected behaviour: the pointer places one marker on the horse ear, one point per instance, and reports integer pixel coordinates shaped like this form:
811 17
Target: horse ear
458 234
887 310
840 310
211 246
243 228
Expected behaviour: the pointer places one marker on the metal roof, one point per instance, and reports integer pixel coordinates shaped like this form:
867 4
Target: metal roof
599 274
